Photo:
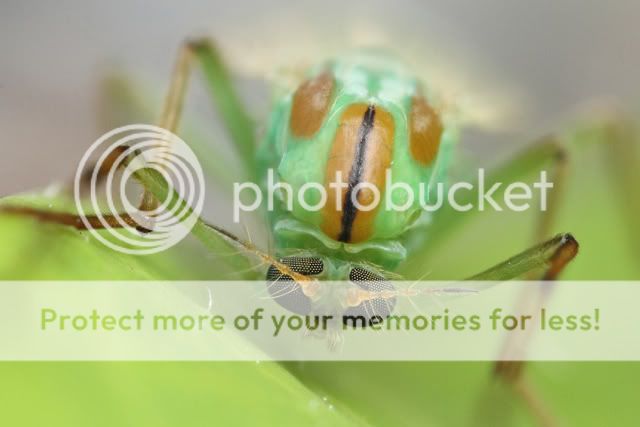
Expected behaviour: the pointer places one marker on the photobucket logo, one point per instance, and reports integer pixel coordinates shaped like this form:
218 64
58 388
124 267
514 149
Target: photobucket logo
121 153
394 196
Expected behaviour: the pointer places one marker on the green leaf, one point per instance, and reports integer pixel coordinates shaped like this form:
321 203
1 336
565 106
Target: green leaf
331 393
137 393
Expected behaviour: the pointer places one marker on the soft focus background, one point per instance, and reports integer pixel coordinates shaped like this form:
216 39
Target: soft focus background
517 71
526 66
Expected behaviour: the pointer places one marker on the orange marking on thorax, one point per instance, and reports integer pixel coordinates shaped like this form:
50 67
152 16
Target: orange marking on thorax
310 105
425 131
361 152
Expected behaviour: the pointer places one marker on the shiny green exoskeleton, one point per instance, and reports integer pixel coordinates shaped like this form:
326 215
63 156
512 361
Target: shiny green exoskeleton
358 116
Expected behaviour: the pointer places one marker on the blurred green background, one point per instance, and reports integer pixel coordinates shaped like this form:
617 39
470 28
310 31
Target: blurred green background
558 56
337 393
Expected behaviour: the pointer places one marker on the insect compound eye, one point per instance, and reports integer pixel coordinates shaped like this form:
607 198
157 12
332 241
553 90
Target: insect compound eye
284 290
311 102
373 311
425 131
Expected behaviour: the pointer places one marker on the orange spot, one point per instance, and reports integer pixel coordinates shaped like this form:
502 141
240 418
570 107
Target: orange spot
425 131
311 103
377 157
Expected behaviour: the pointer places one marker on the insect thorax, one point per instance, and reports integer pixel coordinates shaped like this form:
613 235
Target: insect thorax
362 122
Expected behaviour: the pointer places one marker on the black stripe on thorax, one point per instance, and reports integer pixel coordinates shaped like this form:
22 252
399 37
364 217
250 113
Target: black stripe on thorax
355 175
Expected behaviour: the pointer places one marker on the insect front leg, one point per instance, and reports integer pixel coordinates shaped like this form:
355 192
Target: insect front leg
124 100
618 141
234 115
616 137
227 101
220 87
76 221
552 257
549 257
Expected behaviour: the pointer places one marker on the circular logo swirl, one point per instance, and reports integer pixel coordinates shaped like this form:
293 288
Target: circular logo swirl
138 227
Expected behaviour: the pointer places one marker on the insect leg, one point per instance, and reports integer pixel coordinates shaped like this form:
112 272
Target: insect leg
123 101
234 115
215 238
223 94
552 256
220 86
76 221
547 151
619 140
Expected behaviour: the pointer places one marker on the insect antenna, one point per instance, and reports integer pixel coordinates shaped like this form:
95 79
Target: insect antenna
251 269
247 232
291 289
308 284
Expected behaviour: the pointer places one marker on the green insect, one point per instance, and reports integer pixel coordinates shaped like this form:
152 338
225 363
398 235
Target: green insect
360 115
357 116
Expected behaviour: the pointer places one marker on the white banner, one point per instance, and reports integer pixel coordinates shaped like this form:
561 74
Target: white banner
445 321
